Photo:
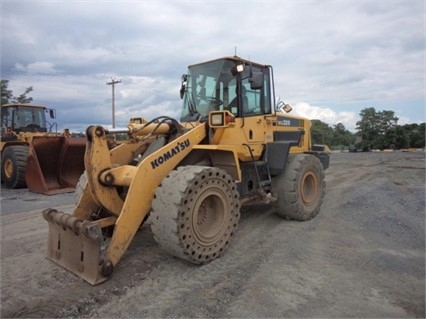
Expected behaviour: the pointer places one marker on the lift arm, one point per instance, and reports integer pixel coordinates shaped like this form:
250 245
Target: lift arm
75 242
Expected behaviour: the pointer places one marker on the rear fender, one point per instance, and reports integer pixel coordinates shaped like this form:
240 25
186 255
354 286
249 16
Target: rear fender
222 156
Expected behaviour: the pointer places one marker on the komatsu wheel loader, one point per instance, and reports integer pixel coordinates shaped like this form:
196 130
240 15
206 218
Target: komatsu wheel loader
233 145
33 155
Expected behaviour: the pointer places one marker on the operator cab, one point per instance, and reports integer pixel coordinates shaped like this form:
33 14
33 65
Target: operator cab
231 83
24 118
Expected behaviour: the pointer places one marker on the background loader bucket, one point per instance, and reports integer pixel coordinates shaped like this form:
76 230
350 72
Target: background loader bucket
54 164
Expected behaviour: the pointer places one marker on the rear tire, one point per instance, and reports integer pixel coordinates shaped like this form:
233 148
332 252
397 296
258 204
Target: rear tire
301 189
13 166
195 213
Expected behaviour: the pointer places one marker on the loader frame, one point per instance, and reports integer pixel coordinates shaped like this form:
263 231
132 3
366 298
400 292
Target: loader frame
190 176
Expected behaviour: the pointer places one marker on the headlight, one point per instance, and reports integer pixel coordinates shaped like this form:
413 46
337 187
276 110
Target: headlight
217 119
222 118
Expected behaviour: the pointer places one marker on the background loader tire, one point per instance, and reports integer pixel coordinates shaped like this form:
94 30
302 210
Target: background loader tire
301 189
195 212
13 166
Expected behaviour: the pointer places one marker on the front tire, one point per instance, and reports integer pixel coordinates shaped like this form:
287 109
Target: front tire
301 189
195 213
13 166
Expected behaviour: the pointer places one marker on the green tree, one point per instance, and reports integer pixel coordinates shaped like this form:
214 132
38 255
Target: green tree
321 133
416 134
373 127
368 126
341 136
6 94
396 138
8 97
421 136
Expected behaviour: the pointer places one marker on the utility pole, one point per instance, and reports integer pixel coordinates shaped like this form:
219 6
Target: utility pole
113 82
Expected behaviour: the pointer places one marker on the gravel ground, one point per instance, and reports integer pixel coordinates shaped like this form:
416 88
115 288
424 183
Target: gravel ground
363 256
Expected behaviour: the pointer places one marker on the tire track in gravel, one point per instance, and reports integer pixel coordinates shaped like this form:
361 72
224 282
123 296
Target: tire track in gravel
208 290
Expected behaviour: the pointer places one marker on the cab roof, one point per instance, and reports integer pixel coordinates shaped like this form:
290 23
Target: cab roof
234 58
24 104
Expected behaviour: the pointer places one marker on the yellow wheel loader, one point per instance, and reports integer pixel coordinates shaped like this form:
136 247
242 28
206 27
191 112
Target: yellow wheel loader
233 145
34 156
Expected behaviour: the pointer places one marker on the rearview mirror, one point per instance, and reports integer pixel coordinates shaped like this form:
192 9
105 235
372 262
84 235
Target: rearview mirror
256 80
183 80
52 113
283 107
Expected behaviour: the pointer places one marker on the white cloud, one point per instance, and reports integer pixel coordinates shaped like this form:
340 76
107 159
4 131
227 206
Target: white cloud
327 115
37 67
14 30
69 53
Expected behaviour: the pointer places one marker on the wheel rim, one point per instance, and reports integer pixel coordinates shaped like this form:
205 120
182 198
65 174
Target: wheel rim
209 217
309 188
8 168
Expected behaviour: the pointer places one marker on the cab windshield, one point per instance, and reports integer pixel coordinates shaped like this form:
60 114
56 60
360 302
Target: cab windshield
24 118
213 86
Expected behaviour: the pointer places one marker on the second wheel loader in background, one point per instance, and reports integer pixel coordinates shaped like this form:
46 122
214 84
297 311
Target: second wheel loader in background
233 145
33 155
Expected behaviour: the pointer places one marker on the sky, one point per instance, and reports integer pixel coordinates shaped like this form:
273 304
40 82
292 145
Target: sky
331 59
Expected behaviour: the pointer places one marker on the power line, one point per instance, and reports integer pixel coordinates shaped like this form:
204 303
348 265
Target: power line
113 83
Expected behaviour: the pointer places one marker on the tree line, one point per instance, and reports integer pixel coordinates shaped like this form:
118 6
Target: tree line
375 130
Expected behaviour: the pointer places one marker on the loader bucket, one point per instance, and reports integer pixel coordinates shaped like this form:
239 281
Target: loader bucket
54 164
76 245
